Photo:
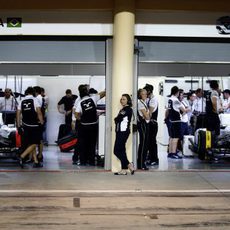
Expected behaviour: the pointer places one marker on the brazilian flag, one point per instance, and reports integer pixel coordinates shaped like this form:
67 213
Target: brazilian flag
14 22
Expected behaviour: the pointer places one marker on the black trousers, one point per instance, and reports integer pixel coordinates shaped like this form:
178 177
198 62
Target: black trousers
87 136
119 148
76 153
143 129
213 123
153 152
68 119
9 118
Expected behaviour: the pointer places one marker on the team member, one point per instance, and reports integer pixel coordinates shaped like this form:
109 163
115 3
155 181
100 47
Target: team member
75 127
198 109
213 108
226 102
67 101
41 101
174 109
184 117
143 128
122 129
152 103
8 107
86 112
46 105
190 100
29 118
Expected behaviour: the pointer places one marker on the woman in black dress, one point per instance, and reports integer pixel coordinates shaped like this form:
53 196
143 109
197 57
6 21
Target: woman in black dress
122 122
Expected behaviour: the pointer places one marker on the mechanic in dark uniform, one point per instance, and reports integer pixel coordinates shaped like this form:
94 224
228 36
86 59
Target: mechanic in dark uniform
29 119
68 102
152 104
41 101
213 108
122 129
86 112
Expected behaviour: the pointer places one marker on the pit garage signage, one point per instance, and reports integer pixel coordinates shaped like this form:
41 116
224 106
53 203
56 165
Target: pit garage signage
173 24
53 23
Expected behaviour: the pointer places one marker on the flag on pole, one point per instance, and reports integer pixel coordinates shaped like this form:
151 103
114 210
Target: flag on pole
14 22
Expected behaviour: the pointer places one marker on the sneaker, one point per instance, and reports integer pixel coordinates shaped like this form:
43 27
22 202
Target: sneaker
40 157
21 162
37 165
175 156
154 163
180 155
122 172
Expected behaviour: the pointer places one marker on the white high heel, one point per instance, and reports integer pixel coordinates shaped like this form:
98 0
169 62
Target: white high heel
131 168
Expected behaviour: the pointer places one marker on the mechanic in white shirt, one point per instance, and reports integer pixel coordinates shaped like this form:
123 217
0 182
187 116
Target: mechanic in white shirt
8 106
199 103
226 102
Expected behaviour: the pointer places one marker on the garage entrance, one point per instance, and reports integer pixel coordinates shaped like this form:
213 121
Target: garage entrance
57 64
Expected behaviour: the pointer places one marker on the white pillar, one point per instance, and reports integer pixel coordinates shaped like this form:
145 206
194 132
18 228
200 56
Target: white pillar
122 69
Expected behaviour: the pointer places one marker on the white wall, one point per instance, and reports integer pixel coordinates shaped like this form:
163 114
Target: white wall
15 83
55 88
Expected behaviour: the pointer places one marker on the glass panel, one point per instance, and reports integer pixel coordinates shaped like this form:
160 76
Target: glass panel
184 51
52 51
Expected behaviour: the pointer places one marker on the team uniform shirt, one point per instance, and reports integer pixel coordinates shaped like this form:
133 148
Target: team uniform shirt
7 104
190 106
36 105
45 99
40 99
74 108
215 94
174 106
141 105
209 105
199 105
123 119
153 102
184 116
95 98
226 105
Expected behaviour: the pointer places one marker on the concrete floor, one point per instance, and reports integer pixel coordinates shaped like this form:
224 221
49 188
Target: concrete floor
177 194
54 160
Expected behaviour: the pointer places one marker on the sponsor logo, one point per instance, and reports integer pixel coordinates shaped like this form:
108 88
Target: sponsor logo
223 25
14 22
